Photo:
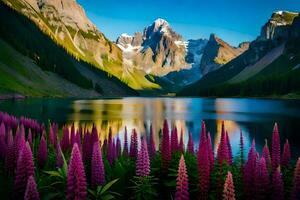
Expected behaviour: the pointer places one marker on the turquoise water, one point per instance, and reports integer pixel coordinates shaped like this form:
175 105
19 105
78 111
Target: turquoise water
255 117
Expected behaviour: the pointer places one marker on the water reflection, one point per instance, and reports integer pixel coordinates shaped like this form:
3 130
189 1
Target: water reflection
254 117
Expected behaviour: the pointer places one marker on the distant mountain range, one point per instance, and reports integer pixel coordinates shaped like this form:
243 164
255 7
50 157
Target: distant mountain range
56 38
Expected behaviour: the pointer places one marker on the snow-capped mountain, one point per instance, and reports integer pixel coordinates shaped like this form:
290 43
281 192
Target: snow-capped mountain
157 50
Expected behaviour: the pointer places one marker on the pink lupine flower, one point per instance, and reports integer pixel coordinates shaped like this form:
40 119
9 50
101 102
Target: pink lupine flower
249 172
133 144
181 145
210 153
76 181
275 157
51 135
229 149
229 192
286 155
10 159
29 137
222 153
143 161
59 158
191 144
95 136
86 147
42 152
202 134
65 140
174 140
203 170
261 179
31 192
266 155
2 140
241 148
152 149
110 152
277 185
78 139
165 147
24 169
182 185
296 182
125 148
98 173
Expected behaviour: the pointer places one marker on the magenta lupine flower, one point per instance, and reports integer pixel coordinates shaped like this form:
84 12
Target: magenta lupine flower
110 152
266 155
229 149
203 170
86 147
29 137
174 139
59 158
42 152
98 173
143 161
65 141
78 139
114 150
286 155
191 144
31 192
202 134
125 148
24 169
118 147
277 185
261 179
241 148
19 141
181 145
133 144
222 153
51 135
95 136
275 156
229 192
10 159
2 141
152 149
249 172
296 187
76 181
182 185
165 147
210 150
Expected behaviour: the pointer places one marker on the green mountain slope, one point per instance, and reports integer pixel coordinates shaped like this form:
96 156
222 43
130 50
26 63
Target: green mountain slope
24 36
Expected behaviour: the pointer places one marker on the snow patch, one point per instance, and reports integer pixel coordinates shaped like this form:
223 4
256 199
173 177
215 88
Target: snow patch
126 35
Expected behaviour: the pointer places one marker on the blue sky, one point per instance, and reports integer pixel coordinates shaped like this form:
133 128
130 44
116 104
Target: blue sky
233 20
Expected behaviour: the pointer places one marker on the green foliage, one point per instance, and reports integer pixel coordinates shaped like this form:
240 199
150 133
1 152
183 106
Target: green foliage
143 187
103 192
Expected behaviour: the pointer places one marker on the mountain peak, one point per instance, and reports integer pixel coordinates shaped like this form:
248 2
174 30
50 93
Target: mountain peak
160 22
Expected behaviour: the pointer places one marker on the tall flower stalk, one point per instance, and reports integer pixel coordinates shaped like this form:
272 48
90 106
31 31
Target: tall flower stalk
143 161
182 187
229 192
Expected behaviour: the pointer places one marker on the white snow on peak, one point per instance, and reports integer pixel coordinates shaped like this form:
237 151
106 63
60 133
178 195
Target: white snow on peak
126 35
161 22
279 12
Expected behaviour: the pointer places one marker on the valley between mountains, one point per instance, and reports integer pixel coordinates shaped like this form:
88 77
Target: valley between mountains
50 48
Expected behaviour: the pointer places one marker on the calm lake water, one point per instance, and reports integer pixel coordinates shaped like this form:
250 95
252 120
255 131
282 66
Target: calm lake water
255 117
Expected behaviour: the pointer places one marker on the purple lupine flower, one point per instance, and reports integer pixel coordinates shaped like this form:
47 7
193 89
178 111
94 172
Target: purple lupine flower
24 169
174 139
10 159
165 147
31 192
51 135
229 149
229 192
203 170
249 172
191 144
182 183
261 179
118 147
275 156
133 144
2 141
98 173
19 141
202 134
181 145
152 149
42 152
286 155
110 152
277 185
296 182
143 161
29 137
86 147
78 139
76 181
72 139
59 158
65 140
125 148
242 149
210 153
222 153
266 155
95 136
114 150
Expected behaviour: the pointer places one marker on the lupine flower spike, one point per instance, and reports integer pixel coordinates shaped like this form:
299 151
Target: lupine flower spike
143 162
98 173
229 193
296 186
31 192
182 187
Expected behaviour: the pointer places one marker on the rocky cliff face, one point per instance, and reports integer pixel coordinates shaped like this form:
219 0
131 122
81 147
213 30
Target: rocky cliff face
158 50
217 53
